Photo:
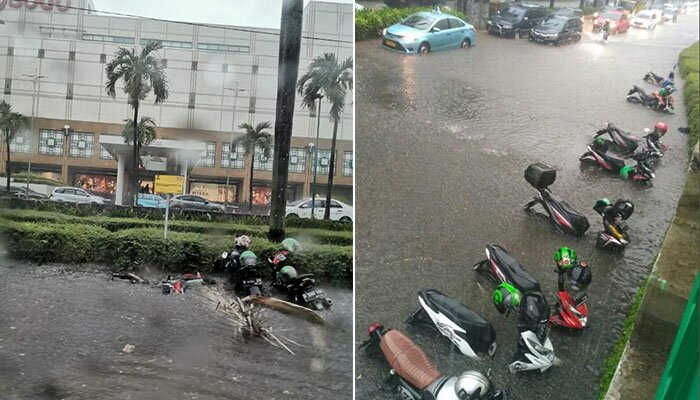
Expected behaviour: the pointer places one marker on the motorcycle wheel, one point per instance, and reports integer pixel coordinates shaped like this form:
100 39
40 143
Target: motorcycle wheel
254 291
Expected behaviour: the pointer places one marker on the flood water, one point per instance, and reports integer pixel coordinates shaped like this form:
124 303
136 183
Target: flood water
62 331
442 143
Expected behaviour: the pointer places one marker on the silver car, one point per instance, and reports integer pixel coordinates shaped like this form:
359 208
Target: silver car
75 195
190 202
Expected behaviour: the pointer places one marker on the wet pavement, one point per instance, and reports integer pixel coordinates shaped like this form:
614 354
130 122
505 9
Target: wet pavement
444 140
62 331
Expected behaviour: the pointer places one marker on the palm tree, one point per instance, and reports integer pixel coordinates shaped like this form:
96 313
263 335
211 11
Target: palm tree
10 123
326 76
254 136
146 133
141 72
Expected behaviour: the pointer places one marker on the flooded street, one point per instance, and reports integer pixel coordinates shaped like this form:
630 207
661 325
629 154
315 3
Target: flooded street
62 331
443 141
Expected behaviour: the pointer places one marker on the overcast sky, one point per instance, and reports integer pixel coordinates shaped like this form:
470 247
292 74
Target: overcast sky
258 13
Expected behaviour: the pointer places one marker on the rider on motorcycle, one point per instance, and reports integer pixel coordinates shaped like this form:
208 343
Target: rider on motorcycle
654 137
606 29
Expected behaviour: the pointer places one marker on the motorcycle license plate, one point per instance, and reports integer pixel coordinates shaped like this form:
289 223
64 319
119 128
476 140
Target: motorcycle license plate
390 43
581 300
252 282
312 295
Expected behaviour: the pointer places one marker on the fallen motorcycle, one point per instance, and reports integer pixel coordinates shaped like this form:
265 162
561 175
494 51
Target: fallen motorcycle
301 289
417 377
471 333
640 172
622 141
615 234
659 80
564 217
656 100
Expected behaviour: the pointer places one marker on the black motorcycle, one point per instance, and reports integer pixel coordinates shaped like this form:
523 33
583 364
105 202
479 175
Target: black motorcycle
471 333
245 273
640 172
615 234
301 289
564 217
654 101
416 376
622 141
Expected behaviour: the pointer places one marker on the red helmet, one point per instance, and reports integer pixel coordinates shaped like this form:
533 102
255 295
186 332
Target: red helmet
661 127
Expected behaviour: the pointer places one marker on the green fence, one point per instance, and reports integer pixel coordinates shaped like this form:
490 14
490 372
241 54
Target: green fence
680 379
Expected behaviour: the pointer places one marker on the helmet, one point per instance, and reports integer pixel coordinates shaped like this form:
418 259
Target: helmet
662 92
601 204
248 258
625 171
287 274
280 258
578 278
565 258
471 385
661 127
624 208
601 144
506 297
291 245
242 241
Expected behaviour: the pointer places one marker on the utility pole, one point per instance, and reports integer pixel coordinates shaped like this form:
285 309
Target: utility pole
236 90
287 73
313 185
35 77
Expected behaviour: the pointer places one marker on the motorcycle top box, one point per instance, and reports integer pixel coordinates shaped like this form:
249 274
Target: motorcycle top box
540 176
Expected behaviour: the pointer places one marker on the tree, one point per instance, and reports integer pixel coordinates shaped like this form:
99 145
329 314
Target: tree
10 123
326 76
146 133
141 73
254 136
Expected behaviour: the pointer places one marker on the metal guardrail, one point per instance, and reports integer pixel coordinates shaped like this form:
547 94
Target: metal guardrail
681 379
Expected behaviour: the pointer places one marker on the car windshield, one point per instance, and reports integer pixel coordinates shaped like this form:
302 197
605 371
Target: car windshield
643 16
611 16
512 13
552 23
418 22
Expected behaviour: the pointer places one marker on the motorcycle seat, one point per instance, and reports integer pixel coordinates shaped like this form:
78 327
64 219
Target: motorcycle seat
408 360
516 273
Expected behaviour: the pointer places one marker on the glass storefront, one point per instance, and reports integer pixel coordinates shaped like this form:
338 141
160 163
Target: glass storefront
215 191
101 185
262 195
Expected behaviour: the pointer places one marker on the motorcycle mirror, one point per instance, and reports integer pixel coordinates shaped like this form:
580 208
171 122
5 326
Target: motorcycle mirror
224 255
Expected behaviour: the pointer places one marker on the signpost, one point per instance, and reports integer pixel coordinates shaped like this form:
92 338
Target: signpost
168 184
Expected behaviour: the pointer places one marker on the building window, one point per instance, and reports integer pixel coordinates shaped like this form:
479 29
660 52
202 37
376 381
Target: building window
41 53
262 163
103 58
104 154
169 43
108 39
20 143
347 163
208 156
232 160
223 47
297 160
51 142
251 105
324 160
81 144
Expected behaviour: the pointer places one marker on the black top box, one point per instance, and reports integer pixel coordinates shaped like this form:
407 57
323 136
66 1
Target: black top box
540 175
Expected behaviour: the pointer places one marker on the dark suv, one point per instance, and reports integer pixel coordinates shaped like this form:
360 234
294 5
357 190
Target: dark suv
557 30
516 20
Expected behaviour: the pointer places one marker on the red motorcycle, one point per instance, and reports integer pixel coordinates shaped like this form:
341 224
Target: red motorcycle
571 310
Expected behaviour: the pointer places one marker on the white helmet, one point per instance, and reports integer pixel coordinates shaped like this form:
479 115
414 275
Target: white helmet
471 385
242 241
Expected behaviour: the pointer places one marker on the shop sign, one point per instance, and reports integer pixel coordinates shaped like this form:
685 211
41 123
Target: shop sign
46 5
152 163
169 184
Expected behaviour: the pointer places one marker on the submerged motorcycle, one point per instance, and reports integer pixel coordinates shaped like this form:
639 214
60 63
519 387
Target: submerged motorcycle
659 80
472 334
622 141
570 310
301 289
245 273
654 100
641 172
417 377
615 234
535 350
564 217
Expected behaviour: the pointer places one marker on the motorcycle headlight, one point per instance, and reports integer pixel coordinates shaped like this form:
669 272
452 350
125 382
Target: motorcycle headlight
575 311
506 26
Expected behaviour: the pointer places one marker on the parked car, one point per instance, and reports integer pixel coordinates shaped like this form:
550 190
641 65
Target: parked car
21 191
619 21
302 209
516 20
569 12
658 12
428 31
190 202
557 30
74 195
670 13
151 201
645 19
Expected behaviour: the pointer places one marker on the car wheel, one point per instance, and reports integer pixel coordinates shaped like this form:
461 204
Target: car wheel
346 220
466 43
292 216
424 48
516 35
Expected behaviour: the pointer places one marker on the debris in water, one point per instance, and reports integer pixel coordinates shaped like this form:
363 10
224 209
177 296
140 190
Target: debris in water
128 348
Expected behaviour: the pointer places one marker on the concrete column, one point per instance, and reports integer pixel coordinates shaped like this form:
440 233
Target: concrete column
120 180
183 172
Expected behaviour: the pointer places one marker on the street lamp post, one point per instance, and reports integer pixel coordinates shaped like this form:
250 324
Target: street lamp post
35 78
313 185
66 151
236 90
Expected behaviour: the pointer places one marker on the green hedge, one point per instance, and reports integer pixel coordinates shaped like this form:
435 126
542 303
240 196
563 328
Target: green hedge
81 243
689 64
319 236
370 22
85 210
